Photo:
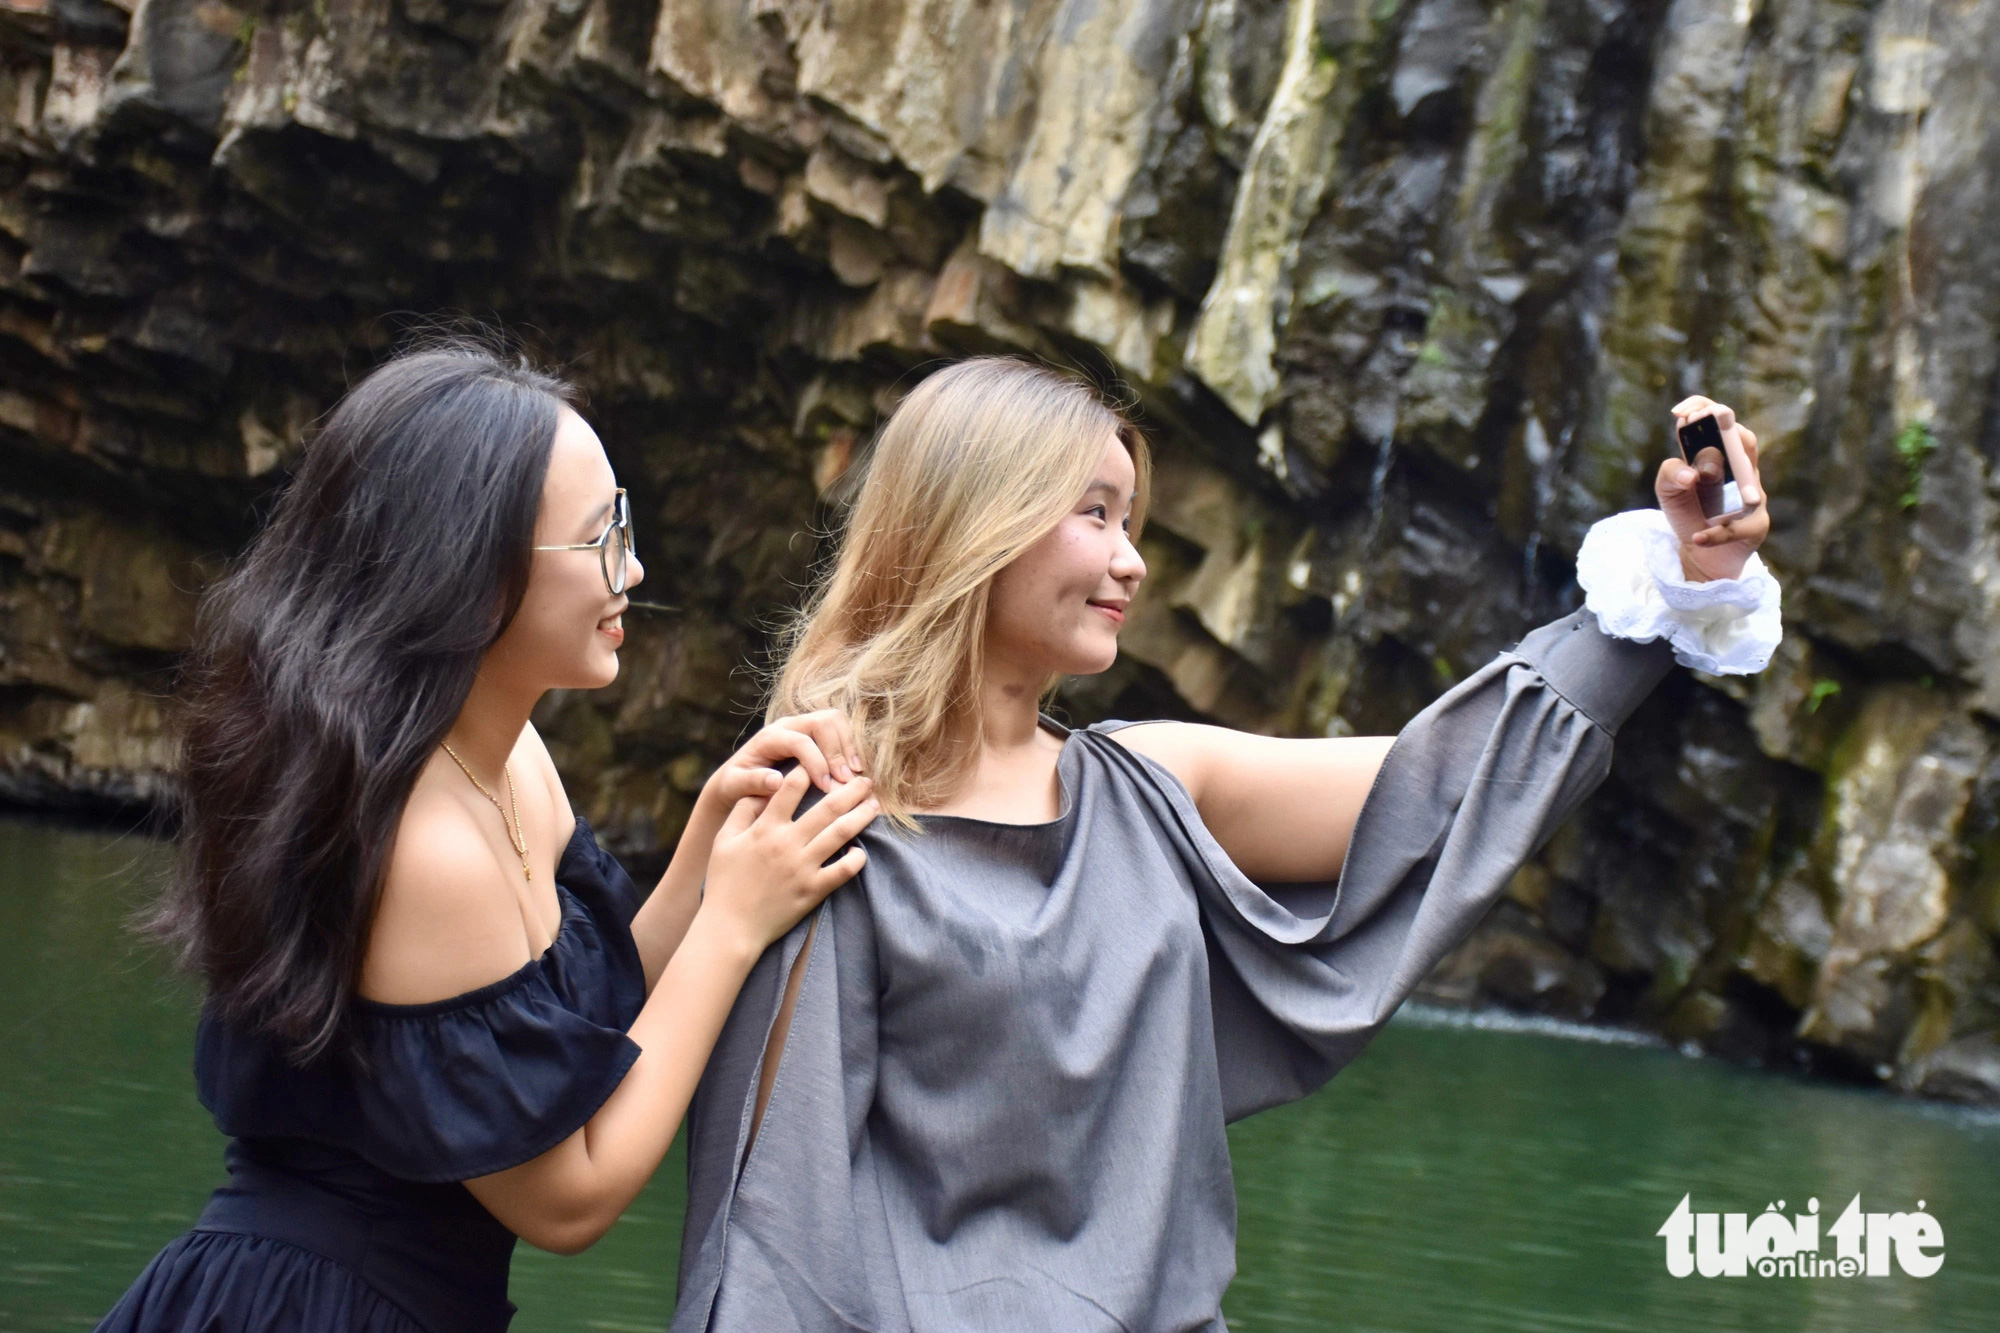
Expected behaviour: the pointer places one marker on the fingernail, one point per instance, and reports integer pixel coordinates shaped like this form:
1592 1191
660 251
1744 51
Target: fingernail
1687 476
855 760
1750 497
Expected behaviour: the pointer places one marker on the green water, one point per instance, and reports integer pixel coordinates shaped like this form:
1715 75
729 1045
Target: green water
1453 1179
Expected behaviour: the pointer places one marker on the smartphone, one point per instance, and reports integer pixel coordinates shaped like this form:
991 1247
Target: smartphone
1716 501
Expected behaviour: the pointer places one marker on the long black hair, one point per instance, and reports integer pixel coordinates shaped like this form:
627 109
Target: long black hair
329 664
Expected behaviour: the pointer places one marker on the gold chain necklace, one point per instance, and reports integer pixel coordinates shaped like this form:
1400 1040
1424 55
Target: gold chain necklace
515 837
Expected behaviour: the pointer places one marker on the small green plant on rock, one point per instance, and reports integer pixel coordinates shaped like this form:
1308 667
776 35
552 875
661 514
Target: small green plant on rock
1913 445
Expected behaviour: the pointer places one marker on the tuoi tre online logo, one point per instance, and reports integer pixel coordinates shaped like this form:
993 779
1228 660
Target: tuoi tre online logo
1774 1245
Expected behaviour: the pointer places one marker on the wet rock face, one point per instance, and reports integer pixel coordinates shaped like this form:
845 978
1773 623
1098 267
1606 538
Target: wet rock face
1403 291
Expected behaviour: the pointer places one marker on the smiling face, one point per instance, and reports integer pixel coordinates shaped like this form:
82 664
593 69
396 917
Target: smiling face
568 629
1056 609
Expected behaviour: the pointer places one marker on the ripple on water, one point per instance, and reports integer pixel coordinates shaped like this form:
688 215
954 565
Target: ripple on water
1469 1173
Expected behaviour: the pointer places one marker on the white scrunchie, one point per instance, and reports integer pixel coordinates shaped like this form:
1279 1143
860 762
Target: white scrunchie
1630 570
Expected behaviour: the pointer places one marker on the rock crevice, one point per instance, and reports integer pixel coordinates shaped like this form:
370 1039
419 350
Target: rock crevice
1402 290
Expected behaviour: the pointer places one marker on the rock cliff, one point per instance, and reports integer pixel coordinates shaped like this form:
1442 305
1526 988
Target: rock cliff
1402 289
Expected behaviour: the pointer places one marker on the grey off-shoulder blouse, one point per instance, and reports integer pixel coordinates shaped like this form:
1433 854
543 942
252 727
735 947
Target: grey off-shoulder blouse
1002 1099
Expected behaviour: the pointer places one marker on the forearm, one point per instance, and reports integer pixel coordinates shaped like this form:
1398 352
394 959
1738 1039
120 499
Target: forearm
1298 827
565 1199
1605 676
676 1031
1469 789
663 921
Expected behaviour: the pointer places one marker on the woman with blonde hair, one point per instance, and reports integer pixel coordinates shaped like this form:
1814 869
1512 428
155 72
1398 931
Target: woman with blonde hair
986 1086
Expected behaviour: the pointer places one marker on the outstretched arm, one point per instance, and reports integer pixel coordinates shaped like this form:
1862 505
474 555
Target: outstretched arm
1285 810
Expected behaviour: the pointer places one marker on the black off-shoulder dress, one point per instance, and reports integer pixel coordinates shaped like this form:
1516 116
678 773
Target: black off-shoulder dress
343 1209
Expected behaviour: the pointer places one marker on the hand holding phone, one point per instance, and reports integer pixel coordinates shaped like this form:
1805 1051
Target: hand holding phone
1711 492
1702 447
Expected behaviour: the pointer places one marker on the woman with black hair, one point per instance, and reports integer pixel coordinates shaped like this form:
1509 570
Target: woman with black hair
439 1016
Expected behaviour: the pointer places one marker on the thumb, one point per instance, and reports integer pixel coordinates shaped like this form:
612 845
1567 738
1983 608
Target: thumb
734 783
1677 485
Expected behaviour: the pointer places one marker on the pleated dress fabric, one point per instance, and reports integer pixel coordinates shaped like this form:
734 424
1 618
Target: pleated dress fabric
343 1209
1002 1098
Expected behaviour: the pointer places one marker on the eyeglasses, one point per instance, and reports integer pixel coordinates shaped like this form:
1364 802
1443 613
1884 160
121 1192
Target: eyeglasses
612 547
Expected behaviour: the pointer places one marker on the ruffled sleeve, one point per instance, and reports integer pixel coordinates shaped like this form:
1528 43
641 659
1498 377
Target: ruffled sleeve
481 1082
436 1092
596 876
1630 570
1303 976
468 1085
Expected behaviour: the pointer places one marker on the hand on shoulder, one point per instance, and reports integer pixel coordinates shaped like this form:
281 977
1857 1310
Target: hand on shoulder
771 865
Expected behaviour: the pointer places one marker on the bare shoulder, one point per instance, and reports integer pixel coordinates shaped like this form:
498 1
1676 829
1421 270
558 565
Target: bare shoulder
532 749
1181 746
447 922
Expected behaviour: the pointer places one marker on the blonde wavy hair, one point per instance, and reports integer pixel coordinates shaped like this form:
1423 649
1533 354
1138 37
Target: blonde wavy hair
980 461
